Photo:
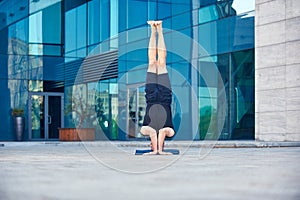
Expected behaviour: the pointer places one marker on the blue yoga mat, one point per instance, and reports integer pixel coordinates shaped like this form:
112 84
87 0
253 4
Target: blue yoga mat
142 151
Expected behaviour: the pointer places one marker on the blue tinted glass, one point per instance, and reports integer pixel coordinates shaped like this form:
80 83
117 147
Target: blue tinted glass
152 10
242 105
122 15
12 11
94 50
137 13
136 76
81 26
94 22
6 105
18 65
75 24
242 32
3 66
114 18
214 37
44 30
70 30
164 10
182 21
35 67
180 6
52 24
208 37
70 56
139 55
81 53
53 68
208 14
104 20
179 68
136 35
167 23
36 28
52 50
207 2
18 38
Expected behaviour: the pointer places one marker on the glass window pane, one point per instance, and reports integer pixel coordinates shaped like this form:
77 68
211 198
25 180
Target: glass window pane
182 21
12 11
35 28
208 14
104 20
75 28
52 24
81 26
70 29
114 18
18 38
136 13
214 36
242 95
164 10
242 32
94 22
180 6
44 30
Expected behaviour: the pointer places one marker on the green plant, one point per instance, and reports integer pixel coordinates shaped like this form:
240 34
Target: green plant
17 112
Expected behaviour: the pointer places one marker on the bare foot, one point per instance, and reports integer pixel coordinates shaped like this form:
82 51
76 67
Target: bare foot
151 22
158 25
151 153
158 22
164 153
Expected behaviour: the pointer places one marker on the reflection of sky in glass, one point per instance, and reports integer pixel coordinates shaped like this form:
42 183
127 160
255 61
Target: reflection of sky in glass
35 28
242 6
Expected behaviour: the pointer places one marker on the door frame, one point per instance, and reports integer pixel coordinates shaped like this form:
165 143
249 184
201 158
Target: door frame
46 112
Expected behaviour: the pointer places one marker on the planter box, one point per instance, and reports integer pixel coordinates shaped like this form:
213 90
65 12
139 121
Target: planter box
76 134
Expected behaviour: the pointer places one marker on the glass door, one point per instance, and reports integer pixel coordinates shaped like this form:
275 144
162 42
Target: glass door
54 120
37 113
136 111
45 115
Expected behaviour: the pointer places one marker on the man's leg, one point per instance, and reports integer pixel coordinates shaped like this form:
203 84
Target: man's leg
161 48
152 48
148 131
163 133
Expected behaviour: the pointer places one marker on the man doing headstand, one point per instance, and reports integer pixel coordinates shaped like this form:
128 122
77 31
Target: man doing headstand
158 118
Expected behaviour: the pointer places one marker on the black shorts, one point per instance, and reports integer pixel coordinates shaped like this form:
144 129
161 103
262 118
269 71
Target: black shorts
159 98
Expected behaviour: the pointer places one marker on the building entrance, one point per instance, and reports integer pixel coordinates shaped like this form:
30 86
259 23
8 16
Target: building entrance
45 115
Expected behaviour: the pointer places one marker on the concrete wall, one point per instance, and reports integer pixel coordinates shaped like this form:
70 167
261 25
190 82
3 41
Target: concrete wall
277 70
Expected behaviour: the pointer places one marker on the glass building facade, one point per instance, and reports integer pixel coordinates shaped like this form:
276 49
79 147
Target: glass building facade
92 54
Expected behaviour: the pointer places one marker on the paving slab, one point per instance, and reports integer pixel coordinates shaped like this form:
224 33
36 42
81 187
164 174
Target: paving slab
110 170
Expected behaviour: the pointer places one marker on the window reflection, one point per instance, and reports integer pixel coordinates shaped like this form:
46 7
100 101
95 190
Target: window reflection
75 27
45 34
102 98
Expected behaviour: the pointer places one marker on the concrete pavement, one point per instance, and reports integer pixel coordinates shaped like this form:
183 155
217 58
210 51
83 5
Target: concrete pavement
109 170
